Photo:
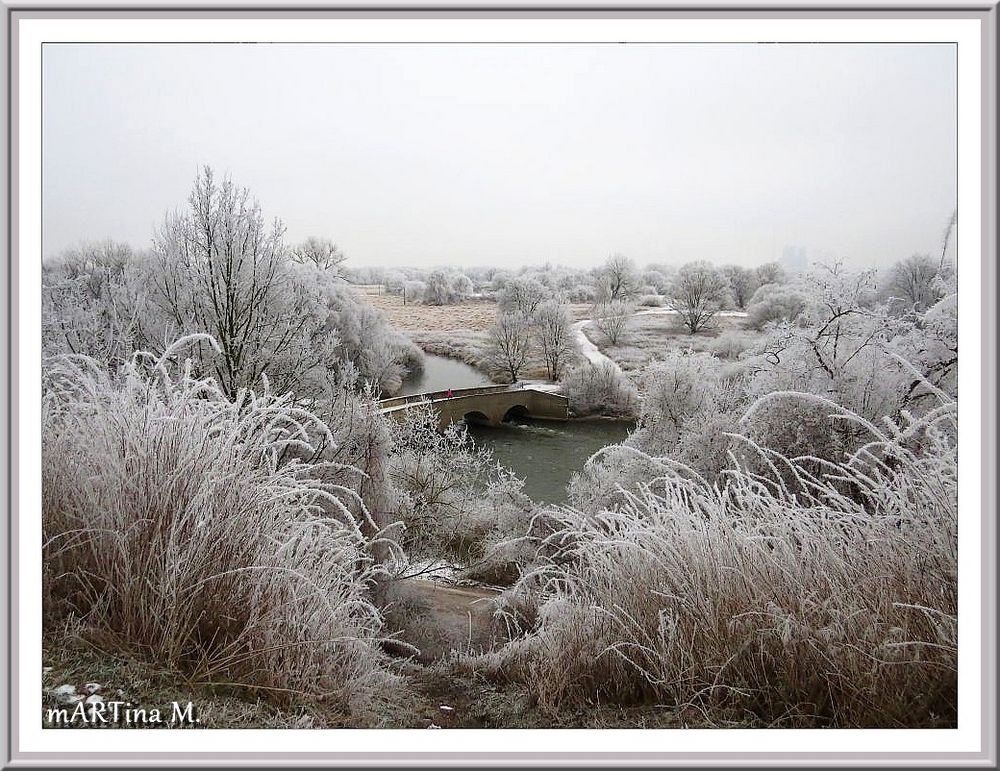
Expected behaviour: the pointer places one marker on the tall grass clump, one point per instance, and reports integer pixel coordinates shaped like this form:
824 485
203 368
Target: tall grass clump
826 601
205 534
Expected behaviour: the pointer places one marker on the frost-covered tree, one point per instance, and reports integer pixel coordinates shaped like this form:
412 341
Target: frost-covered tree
89 302
553 328
445 287
770 273
509 344
321 252
742 284
697 293
439 289
613 319
618 279
522 294
912 281
413 292
218 268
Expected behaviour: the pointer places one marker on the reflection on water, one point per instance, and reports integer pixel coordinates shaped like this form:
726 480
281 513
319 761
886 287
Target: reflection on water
545 453
440 374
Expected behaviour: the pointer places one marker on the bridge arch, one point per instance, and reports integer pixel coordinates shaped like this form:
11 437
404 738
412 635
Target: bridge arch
515 412
478 418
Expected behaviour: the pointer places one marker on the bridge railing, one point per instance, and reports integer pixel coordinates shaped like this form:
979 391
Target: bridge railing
400 401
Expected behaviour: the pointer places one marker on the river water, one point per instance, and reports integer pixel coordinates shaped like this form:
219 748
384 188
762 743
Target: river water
544 453
441 373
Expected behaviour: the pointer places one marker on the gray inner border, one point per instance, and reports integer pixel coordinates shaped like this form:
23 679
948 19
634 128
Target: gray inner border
986 12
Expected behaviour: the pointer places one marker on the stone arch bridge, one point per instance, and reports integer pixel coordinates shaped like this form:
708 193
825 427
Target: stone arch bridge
489 405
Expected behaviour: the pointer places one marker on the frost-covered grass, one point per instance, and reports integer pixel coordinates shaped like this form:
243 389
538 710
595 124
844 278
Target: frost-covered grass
651 335
832 603
465 346
203 534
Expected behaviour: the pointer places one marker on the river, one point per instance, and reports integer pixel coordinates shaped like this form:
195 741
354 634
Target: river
544 453
441 373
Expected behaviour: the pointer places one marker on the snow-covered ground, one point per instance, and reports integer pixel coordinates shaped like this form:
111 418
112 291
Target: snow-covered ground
587 348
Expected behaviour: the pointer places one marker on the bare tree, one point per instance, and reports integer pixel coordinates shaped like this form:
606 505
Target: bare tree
216 268
613 319
912 280
509 343
742 284
697 293
618 279
554 332
321 252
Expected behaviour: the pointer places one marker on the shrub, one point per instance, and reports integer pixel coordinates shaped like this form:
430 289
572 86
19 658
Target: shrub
731 344
205 534
600 388
775 302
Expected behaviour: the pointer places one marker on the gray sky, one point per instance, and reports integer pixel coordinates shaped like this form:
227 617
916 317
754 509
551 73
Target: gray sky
513 154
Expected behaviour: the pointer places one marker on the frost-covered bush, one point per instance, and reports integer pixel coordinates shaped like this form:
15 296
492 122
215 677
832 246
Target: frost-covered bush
413 291
732 343
674 389
651 301
441 477
742 603
600 388
775 302
355 331
91 302
210 535
446 287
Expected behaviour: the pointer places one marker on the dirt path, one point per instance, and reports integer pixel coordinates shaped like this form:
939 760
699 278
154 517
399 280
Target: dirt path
441 620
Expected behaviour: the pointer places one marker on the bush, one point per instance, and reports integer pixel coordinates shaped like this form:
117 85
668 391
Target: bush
205 534
731 344
775 302
600 388
651 301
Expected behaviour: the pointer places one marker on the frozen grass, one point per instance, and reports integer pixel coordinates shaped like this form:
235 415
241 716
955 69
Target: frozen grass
749 603
466 316
652 335
203 535
465 346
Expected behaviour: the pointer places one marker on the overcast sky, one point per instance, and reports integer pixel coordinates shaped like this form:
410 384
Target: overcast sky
475 154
